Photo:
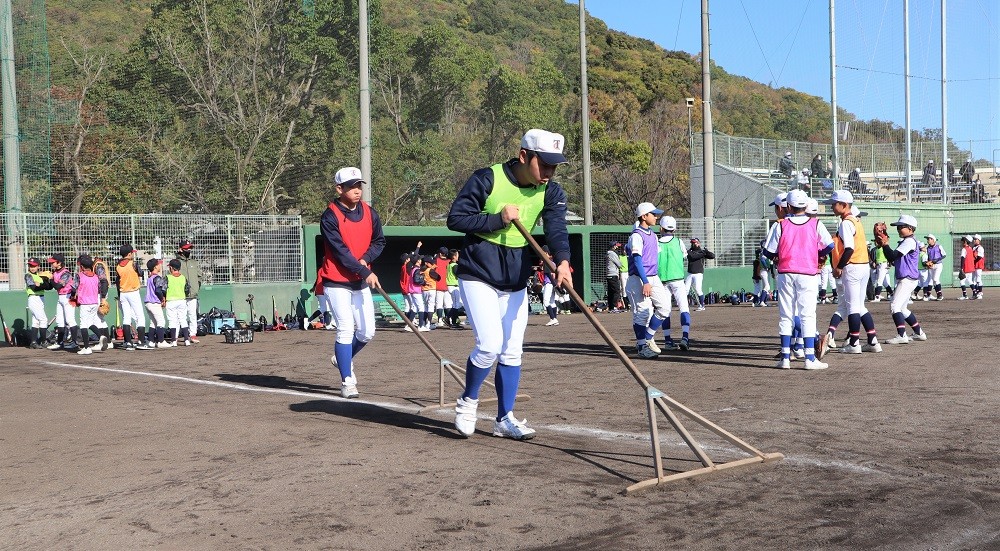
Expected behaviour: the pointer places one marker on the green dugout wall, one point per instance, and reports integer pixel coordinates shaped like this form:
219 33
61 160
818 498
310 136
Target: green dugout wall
588 247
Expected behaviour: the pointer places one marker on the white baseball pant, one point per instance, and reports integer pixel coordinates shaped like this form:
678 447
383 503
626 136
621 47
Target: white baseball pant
132 309
353 313
65 312
643 308
498 319
36 305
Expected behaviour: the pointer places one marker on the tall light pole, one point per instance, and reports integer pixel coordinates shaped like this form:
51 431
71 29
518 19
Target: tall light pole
690 104
11 147
706 110
365 102
906 99
833 90
944 102
588 202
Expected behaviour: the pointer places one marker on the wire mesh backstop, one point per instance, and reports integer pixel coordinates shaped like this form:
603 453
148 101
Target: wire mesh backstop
229 249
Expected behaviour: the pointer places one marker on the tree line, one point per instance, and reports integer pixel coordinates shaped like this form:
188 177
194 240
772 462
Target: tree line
250 106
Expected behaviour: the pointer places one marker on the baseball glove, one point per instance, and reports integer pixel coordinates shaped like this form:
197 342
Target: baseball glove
104 307
881 233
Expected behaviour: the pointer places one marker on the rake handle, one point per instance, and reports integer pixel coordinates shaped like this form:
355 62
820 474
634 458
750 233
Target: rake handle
633 370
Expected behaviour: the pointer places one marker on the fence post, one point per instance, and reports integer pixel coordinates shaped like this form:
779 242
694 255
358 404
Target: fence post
229 245
743 241
132 233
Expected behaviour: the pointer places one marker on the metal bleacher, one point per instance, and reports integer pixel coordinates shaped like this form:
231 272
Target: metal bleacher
881 180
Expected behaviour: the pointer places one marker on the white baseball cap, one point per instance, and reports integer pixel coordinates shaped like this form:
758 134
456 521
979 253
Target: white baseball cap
812 206
646 208
668 223
968 238
797 198
977 236
841 196
905 220
779 200
930 236
855 211
547 145
348 176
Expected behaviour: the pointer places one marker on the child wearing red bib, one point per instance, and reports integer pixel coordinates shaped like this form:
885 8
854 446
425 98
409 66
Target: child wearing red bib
352 240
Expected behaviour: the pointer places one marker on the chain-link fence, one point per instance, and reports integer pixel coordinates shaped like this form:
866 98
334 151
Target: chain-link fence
734 243
229 249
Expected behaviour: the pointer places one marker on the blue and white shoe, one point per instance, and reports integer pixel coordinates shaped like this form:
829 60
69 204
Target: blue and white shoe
684 344
510 427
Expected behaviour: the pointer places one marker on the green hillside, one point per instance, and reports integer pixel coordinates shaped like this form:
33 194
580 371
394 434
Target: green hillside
194 106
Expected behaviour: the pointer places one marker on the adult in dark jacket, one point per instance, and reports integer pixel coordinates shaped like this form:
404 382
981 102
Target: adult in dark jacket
696 270
818 168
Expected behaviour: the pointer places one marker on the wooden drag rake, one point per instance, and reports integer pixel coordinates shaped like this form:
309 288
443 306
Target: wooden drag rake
655 398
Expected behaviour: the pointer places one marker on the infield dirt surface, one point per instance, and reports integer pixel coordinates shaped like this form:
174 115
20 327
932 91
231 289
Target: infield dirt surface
897 450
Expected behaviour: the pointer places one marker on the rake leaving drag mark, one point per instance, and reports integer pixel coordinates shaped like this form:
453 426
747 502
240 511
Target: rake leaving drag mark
658 400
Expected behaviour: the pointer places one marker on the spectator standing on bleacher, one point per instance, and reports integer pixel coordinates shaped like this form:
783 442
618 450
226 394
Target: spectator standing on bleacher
930 174
786 166
818 167
977 193
949 168
854 181
614 270
967 171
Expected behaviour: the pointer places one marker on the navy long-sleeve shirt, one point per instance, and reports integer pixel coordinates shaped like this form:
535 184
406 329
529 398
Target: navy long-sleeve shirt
330 229
504 268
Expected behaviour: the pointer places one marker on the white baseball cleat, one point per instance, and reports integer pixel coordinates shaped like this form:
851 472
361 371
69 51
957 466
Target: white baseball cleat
349 388
85 351
798 353
465 416
815 364
871 347
848 349
651 343
922 336
510 427
553 321
898 339
783 363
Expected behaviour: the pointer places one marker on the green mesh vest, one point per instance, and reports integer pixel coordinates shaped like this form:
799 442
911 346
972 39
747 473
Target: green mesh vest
38 282
529 200
175 287
670 263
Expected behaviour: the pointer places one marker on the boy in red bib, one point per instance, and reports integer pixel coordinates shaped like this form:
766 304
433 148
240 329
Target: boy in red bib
352 240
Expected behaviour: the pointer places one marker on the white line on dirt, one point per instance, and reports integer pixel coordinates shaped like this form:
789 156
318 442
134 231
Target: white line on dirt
232 386
561 428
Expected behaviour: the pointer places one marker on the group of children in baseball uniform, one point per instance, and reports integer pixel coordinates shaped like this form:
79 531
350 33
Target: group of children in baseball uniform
430 289
800 247
656 279
85 291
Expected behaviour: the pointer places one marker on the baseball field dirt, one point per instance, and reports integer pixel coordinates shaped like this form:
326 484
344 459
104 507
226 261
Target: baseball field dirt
249 446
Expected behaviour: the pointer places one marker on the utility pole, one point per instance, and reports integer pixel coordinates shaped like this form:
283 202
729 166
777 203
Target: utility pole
11 148
944 102
588 201
706 110
365 102
833 90
906 100
11 142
